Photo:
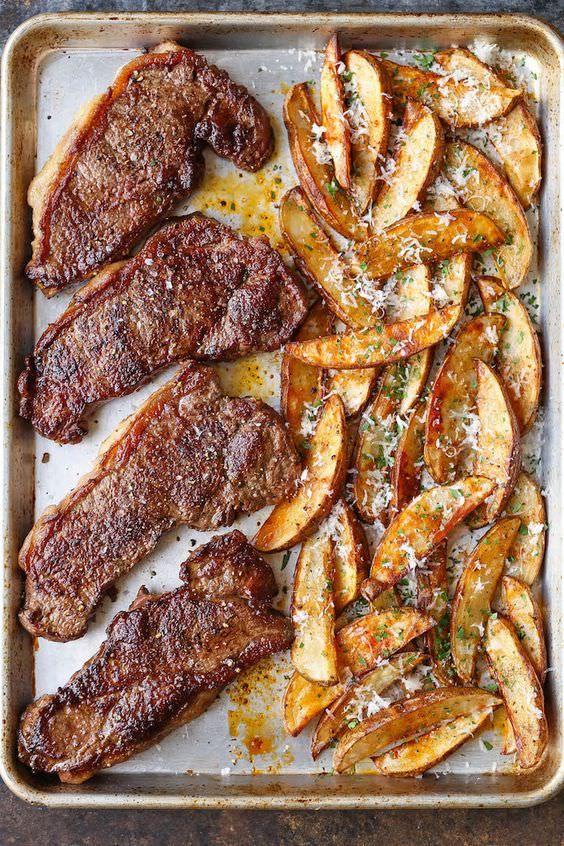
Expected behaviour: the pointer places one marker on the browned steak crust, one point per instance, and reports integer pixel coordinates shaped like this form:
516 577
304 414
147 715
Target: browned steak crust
132 155
190 455
197 290
162 664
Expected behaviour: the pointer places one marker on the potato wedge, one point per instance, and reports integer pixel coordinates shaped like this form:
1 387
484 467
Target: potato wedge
415 166
455 280
350 556
353 386
426 237
304 700
418 755
301 391
317 176
481 188
451 424
520 688
517 141
498 445
524 612
474 593
337 133
526 554
509 747
314 654
432 597
460 103
405 479
321 263
383 344
379 634
519 360
369 115
406 718
325 468
343 712
420 527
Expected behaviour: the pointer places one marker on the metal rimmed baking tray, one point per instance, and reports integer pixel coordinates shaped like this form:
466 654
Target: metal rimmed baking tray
51 65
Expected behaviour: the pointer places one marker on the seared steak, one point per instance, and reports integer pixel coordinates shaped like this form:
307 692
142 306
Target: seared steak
162 664
189 455
196 290
131 154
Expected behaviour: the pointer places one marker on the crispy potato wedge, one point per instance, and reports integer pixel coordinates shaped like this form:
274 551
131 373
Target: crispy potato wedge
416 165
524 612
432 597
350 556
451 420
509 746
455 278
387 599
474 593
317 177
418 755
377 635
526 554
517 141
337 133
460 103
520 688
304 700
301 384
405 479
325 468
321 263
341 713
383 344
426 237
314 654
420 527
369 142
406 718
481 188
353 386
498 445
519 360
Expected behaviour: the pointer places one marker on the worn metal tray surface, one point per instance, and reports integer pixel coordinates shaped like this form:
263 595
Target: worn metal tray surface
237 753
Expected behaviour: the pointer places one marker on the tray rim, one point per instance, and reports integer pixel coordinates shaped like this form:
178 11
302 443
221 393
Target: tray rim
220 799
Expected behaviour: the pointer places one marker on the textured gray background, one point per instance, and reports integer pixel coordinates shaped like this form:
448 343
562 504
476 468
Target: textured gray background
21 825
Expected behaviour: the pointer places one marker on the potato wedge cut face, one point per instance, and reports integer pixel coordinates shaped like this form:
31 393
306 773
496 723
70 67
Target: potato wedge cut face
337 134
304 700
517 141
408 462
314 653
520 688
353 386
498 451
432 597
481 188
368 90
416 165
420 527
350 556
527 551
519 360
316 174
406 718
525 614
302 384
427 237
325 468
460 103
383 344
344 712
474 594
379 634
451 426
417 756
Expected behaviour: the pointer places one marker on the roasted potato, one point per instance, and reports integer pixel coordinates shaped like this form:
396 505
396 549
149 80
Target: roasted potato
314 654
325 468
520 688
455 279
519 360
415 166
432 597
481 188
304 700
406 718
337 133
420 527
474 593
525 556
405 479
350 556
353 386
524 612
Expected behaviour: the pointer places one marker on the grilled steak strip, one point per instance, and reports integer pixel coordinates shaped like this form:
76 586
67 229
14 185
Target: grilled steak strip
189 455
162 664
197 290
131 154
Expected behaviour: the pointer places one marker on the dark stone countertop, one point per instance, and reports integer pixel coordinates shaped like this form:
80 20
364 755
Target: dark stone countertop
22 825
